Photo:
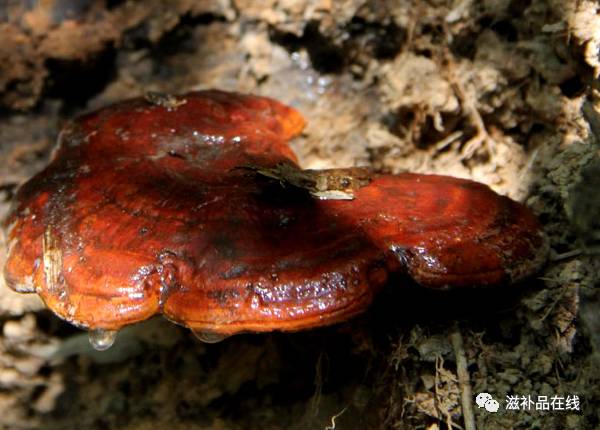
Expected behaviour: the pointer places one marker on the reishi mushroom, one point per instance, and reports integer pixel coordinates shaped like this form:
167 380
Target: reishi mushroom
194 206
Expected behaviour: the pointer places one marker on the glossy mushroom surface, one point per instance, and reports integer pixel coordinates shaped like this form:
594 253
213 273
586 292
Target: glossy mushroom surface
177 205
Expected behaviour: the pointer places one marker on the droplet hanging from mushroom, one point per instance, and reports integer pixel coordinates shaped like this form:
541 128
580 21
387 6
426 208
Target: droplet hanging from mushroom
102 339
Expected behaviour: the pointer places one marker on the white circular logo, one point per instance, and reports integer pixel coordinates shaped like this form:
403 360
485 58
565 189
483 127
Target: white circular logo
492 405
485 400
482 399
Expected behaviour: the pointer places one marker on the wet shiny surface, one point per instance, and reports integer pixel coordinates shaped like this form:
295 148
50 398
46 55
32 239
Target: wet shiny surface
145 209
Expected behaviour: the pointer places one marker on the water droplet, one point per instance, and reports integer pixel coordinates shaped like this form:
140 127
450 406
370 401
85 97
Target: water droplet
208 336
102 339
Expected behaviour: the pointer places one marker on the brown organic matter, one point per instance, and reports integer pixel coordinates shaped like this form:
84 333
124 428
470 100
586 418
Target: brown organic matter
191 206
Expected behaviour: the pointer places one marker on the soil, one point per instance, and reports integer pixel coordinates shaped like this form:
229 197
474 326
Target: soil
501 91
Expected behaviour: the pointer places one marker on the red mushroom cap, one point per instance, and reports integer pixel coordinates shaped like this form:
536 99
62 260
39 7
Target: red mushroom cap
150 207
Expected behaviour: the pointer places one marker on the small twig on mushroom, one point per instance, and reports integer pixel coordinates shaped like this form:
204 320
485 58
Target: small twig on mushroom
327 184
466 395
